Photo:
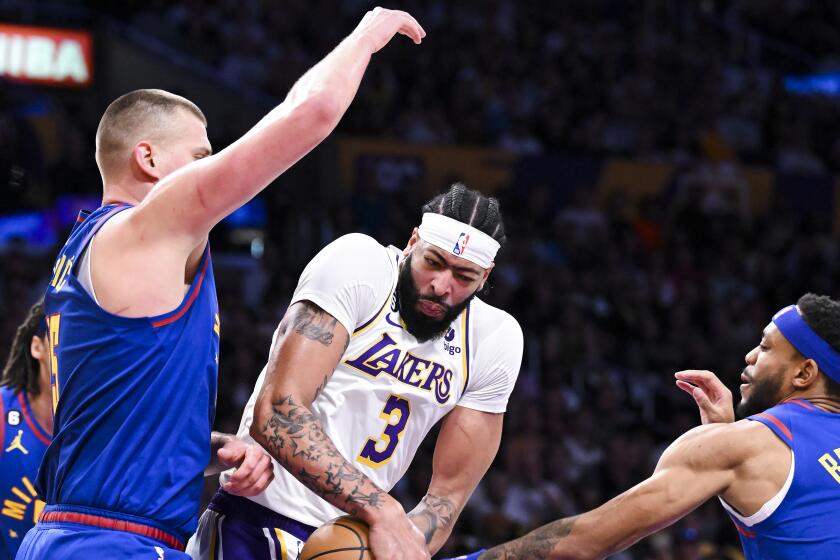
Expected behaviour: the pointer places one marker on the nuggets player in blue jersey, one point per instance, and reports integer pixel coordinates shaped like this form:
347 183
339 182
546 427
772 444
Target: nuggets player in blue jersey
132 317
776 473
25 429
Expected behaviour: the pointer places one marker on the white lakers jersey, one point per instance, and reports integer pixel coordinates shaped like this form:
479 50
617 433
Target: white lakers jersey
389 389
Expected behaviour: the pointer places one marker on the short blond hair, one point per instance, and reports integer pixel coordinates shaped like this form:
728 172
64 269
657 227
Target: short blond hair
133 116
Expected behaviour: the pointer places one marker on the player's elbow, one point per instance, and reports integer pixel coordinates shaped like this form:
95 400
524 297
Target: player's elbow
261 424
323 110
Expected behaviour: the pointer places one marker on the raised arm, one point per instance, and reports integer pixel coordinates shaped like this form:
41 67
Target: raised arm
696 467
187 203
465 448
308 347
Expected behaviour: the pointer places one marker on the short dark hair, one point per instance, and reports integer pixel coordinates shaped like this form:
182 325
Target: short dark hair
822 314
470 207
22 371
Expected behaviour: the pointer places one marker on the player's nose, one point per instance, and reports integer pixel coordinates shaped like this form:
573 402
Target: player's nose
442 283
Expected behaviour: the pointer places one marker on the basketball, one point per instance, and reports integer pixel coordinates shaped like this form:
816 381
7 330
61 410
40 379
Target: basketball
343 538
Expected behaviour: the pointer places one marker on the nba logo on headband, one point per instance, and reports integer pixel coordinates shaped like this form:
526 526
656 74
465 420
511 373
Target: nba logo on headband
453 237
461 244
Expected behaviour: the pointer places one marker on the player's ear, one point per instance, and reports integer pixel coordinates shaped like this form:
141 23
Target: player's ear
412 241
143 161
37 348
807 375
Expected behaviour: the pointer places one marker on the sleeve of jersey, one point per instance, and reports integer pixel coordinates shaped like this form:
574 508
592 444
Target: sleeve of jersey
498 356
350 279
778 420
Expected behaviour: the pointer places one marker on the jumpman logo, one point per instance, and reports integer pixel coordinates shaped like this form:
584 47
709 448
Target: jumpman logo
16 444
159 550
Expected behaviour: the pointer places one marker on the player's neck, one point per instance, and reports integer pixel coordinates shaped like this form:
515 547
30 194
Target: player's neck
823 402
41 405
125 192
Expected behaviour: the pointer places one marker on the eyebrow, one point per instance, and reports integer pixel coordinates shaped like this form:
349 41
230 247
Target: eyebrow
461 269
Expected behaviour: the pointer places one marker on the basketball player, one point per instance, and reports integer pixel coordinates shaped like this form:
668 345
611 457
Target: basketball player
777 473
132 315
377 346
25 429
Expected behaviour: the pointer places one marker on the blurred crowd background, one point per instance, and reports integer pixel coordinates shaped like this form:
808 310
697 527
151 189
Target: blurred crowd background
615 291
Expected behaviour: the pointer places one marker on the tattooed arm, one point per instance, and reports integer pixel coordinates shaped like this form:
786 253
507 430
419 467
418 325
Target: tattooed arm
465 447
307 348
702 463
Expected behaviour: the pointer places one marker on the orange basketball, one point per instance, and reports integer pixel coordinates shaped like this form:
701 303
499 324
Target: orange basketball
343 538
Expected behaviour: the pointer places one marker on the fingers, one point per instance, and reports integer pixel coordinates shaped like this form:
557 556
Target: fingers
230 455
706 379
697 392
253 474
687 387
257 487
412 28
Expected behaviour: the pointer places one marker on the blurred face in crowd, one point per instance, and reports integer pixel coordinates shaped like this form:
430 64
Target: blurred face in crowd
766 379
434 287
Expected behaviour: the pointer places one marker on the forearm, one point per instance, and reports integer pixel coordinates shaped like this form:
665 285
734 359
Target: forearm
339 74
311 111
435 516
296 439
217 441
544 543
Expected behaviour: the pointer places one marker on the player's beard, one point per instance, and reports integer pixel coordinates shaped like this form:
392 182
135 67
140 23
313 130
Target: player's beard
764 394
423 327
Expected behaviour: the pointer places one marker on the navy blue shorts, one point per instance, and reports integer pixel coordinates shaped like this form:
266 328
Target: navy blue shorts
234 527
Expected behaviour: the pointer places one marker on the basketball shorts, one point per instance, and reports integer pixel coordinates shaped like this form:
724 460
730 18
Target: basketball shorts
72 541
235 528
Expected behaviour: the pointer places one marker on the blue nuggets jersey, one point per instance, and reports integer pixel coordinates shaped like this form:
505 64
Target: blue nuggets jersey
134 399
805 523
24 442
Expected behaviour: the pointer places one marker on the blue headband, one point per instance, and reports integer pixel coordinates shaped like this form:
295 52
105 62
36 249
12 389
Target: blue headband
794 328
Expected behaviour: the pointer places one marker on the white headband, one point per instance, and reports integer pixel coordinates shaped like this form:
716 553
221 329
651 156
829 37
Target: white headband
459 239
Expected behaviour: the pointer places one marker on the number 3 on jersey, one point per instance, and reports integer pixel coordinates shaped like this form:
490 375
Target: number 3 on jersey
377 452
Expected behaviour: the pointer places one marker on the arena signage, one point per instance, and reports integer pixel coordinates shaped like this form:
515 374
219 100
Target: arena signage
43 55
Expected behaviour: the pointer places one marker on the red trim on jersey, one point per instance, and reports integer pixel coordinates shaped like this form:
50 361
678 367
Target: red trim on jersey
32 426
778 424
803 404
193 295
115 524
743 531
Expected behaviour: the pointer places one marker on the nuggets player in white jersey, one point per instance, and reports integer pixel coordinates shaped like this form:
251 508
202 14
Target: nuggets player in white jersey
377 346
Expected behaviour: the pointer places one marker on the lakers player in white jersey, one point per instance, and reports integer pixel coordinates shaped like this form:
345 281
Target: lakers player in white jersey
377 346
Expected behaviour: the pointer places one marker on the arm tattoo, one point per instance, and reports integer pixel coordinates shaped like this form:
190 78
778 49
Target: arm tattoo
536 545
312 322
296 439
433 514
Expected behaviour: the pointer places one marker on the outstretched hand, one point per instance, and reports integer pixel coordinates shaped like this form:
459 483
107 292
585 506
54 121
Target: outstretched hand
254 469
379 26
712 397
